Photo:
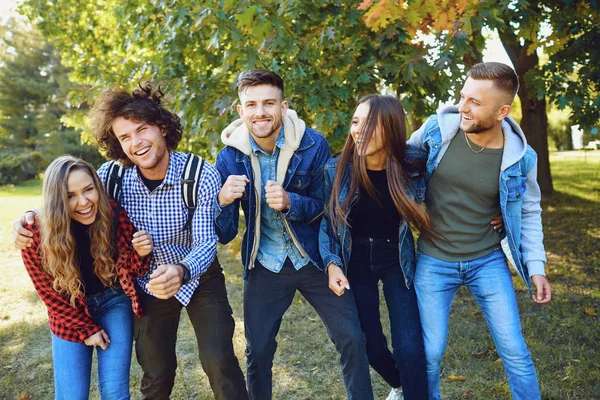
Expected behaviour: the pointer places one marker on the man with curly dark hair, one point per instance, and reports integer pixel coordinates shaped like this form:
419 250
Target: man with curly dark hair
136 130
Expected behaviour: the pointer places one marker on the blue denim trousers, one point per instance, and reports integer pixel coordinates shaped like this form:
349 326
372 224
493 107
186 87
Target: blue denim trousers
489 280
73 361
268 295
375 260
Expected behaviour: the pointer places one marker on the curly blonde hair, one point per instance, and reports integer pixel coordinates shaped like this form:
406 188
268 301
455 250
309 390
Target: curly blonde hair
58 247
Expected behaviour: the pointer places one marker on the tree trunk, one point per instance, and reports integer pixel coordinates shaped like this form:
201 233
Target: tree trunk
535 120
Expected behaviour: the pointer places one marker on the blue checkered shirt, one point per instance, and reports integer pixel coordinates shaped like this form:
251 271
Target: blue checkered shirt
162 212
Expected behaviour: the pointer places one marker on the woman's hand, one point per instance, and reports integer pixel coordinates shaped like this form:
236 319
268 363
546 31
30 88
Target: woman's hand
337 280
98 339
142 243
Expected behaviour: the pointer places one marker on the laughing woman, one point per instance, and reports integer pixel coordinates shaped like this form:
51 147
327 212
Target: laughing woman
83 271
365 237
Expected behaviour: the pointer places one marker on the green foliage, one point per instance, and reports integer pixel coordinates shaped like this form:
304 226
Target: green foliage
559 128
568 32
325 52
16 168
34 98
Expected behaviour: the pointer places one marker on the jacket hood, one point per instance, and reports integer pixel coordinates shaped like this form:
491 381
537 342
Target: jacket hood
515 143
237 135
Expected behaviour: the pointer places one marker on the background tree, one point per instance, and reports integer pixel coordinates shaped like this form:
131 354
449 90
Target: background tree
33 100
324 50
329 53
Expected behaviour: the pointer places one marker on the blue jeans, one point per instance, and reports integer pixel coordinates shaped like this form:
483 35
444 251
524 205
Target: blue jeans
489 281
375 260
268 295
73 361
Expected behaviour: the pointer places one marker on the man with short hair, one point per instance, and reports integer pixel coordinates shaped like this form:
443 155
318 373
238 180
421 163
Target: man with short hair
137 130
273 166
479 166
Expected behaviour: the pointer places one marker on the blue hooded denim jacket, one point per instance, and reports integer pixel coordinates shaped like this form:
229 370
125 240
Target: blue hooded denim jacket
519 191
299 170
336 246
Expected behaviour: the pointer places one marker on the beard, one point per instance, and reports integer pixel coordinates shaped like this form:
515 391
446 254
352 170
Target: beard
266 130
480 126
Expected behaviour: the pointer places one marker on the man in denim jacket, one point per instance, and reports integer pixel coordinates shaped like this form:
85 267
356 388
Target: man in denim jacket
480 165
273 165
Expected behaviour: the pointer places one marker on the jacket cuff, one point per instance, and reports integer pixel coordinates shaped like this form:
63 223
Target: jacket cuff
332 259
293 213
536 268
88 331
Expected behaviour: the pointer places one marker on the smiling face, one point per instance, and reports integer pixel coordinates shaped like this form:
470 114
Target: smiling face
82 197
144 145
481 106
262 109
374 148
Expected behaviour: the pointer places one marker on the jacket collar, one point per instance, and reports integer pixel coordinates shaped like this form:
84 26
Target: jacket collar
237 136
515 143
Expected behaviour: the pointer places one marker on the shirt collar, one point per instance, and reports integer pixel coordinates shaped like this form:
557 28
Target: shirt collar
170 178
279 144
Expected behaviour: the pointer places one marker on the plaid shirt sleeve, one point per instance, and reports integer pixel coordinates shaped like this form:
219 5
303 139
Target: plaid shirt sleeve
204 238
67 322
129 263
129 260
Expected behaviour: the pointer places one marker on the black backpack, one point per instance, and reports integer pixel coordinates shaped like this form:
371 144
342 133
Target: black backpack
190 177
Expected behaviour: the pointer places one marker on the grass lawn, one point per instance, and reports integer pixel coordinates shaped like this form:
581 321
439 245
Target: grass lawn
563 336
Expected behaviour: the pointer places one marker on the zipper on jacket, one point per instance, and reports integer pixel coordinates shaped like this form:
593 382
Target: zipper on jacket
295 239
256 221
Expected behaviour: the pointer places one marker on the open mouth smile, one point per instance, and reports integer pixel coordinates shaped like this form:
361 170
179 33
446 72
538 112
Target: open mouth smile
87 212
142 152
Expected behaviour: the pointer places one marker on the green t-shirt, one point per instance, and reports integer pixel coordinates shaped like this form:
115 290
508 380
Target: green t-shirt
462 198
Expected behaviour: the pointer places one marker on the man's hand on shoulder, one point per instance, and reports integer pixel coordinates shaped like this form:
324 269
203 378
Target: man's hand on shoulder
232 189
165 281
23 237
544 291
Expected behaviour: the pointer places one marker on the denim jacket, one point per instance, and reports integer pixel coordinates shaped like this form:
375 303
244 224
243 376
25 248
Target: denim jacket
519 191
299 170
336 247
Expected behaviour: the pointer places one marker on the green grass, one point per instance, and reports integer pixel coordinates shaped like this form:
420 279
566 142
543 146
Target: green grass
563 336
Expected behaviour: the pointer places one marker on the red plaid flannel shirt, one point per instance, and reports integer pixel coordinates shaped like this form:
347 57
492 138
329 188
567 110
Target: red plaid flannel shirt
75 324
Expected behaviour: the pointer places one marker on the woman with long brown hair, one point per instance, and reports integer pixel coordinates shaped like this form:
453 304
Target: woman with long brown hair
82 266
373 188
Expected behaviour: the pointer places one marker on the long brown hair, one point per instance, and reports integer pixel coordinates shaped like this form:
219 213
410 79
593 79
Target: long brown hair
385 113
59 252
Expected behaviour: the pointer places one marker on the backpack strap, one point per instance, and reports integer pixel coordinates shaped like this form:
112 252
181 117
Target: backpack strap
190 179
114 184
114 180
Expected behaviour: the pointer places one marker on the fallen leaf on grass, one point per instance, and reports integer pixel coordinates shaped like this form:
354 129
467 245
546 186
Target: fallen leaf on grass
489 350
467 395
589 310
456 378
23 396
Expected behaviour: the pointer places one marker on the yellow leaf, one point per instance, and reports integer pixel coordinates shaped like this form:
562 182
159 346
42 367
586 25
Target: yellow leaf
456 378
589 310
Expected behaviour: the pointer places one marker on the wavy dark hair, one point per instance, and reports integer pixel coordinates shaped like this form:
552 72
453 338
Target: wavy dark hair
141 105
385 113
